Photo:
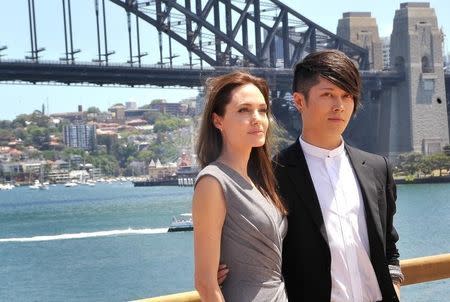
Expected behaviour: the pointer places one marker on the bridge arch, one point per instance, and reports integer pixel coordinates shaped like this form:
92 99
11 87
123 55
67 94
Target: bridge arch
256 33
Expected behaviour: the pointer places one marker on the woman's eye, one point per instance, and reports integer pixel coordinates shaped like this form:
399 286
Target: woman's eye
243 110
263 110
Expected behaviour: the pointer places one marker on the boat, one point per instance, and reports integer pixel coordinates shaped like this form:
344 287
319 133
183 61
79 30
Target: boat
36 186
6 187
164 181
181 223
70 184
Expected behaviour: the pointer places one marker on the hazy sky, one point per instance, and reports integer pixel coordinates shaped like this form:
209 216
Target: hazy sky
14 33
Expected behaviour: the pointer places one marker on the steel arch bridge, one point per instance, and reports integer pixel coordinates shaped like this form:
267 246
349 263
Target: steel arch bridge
264 36
218 33
277 32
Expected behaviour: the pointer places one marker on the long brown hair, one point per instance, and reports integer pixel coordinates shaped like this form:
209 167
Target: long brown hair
209 145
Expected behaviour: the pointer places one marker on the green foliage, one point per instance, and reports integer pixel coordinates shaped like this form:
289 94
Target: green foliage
446 150
5 136
152 116
72 151
39 119
93 109
5 124
108 140
164 149
38 137
438 161
107 163
50 155
158 101
146 156
408 163
20 121
166 123
124 151
411 164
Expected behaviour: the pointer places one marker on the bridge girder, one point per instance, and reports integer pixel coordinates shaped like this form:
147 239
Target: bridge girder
282 36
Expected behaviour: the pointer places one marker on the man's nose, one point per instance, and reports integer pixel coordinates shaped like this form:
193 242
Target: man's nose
338 104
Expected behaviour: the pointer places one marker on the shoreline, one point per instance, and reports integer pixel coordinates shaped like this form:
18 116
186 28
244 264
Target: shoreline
423 180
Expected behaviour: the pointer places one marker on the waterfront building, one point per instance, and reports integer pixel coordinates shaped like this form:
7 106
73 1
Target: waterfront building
58 175
158 171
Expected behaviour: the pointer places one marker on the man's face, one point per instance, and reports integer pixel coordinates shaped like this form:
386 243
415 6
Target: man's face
327 110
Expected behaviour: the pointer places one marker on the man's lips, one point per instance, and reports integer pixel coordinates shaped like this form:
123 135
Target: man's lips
336 119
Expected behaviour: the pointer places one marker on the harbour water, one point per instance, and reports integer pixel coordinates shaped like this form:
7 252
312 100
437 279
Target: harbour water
110 242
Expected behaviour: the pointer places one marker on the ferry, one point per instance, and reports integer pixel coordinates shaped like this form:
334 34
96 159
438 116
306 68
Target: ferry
181 223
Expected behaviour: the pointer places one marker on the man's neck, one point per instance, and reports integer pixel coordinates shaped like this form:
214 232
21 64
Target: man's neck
328 143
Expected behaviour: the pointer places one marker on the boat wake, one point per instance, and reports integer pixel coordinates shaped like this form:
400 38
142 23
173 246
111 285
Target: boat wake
87 235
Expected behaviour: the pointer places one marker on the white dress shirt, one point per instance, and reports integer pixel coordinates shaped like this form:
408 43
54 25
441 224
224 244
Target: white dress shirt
352 275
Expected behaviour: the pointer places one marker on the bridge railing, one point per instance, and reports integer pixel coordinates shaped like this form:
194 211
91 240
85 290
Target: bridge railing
416 270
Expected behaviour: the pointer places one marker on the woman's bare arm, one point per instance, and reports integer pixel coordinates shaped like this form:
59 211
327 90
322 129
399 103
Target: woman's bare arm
208 212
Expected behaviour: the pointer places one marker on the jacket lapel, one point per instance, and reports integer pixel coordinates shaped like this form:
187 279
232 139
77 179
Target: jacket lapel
365 174
301 178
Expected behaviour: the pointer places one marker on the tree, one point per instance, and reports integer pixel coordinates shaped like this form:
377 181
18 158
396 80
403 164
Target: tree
107 163
20 121
446 150
50 155
40 137
146 155
123 151
152 116
158 101
5 124
6 135
409 163
94 110
39 119
166 123
438 161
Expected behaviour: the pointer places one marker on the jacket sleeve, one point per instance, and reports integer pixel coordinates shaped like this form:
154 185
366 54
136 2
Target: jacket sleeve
392 254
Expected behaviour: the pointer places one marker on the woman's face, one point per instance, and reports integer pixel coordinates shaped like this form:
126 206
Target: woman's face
245 122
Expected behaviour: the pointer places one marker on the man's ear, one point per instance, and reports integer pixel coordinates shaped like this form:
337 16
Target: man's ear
299 101
217 121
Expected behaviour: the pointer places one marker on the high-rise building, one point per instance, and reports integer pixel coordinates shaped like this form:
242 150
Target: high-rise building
80 135
386 49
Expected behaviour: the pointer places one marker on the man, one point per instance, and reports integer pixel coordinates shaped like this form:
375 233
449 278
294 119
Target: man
341 243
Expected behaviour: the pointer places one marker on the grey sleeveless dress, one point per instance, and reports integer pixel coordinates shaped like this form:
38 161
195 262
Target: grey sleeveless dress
252 237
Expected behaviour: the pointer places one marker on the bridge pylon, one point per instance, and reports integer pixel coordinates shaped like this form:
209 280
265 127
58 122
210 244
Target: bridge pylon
418 117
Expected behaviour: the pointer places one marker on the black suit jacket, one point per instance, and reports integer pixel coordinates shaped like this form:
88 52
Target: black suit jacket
306 254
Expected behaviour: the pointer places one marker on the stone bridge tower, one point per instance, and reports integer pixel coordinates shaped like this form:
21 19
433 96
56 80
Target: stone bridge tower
418 117
362 29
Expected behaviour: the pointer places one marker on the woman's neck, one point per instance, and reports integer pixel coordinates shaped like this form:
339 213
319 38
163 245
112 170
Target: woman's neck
238 160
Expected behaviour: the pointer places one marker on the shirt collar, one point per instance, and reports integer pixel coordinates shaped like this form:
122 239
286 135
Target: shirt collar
315 151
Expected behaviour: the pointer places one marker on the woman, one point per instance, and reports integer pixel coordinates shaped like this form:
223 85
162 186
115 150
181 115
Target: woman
238 218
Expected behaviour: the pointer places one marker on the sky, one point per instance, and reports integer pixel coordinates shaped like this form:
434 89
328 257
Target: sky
14 33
